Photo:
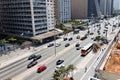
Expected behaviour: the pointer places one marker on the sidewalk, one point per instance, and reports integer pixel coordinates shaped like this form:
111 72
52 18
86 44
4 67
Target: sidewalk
18 54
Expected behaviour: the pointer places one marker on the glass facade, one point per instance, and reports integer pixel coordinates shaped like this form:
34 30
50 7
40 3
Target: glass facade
64 10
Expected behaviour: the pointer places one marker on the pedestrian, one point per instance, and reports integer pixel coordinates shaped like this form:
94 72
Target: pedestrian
85 69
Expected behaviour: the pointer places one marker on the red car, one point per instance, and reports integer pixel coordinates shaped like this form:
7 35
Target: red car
41 68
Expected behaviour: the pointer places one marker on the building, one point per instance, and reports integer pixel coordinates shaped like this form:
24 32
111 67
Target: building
56 10
91 8
79 9
50 14
23 17
64 7
106 7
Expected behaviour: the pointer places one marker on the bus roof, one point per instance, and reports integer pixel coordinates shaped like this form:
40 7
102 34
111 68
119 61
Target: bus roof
87 46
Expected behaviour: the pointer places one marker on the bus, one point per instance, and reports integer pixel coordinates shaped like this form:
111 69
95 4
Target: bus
86 49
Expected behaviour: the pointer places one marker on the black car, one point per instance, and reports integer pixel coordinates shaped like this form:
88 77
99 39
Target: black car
70 39
50 45
77 45
65 39
66 45
31 64
60 61
31 56
78 48
37 57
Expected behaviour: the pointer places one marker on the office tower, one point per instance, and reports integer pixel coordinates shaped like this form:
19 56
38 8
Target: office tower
64 7
56 9
79 9
23 17
50 14
106 7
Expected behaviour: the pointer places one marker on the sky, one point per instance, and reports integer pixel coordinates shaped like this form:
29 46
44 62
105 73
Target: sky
116 4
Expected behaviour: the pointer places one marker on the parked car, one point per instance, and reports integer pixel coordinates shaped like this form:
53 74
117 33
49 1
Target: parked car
60 61
31 64
37 57
66 45
41 68
70 39
31 56
65 39
51 44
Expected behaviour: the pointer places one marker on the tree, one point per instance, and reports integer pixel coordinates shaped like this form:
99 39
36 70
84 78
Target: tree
12 39
95 47
70 67
62 72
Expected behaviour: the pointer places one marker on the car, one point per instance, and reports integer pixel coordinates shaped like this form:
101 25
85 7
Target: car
66 45
78 48
59 66
65 39
37 57
51 44
31 56
57 45
70 39
60 61
32 64
78 37
41 68
77 45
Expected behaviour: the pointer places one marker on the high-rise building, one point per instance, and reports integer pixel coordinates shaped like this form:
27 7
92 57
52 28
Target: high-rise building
50 14
79 9
56 9
91 8
106 7
23 17
64 7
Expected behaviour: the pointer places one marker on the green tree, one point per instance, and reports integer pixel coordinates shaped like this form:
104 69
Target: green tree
70 68
12 40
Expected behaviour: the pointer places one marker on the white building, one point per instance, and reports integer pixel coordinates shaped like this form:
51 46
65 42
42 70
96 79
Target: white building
50 14
64 7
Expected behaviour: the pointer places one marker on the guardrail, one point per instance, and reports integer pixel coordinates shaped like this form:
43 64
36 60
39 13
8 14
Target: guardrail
105 53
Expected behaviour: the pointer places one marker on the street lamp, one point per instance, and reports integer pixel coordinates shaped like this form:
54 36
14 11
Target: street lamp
55 39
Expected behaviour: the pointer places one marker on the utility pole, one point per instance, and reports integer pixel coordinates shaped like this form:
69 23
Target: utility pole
55 39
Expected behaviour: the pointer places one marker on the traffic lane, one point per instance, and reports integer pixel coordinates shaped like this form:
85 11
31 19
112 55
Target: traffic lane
19 67
46 75
75 54
17 63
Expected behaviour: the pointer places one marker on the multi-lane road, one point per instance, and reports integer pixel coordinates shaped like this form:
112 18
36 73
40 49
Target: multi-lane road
69 54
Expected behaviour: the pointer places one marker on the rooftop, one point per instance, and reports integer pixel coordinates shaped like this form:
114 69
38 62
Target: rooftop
47 34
